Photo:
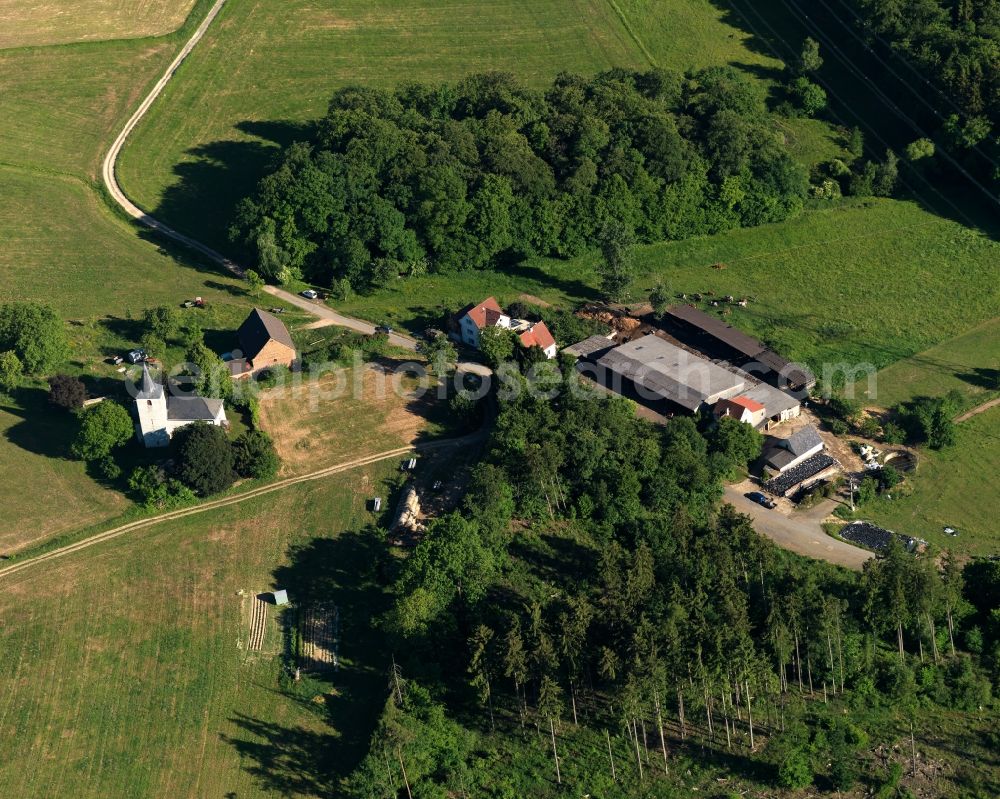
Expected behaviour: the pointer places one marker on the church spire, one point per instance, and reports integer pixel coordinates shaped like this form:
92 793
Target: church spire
150 389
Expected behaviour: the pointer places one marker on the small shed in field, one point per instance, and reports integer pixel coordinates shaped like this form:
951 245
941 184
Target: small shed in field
280 597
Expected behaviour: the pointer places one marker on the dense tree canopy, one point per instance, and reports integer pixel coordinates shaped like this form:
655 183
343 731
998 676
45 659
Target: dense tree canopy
206 462
103 427
592 577
486 172
66 391
255 455
11 370
943 62
35 334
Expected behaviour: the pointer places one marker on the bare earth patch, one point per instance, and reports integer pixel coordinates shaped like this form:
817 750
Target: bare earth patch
312 428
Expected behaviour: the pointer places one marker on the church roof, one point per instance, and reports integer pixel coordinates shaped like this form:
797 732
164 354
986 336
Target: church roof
149 388
258 329
193 409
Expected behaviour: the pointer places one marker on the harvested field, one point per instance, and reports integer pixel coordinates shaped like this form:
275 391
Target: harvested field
29 22
258 624
312 427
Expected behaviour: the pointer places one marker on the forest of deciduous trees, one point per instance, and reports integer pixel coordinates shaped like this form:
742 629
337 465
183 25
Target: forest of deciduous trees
486 172
939 60
592 617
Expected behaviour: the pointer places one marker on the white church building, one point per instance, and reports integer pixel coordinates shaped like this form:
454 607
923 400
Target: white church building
160 415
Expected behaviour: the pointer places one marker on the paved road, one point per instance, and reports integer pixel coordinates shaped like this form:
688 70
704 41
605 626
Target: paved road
326 313
801 533
328 316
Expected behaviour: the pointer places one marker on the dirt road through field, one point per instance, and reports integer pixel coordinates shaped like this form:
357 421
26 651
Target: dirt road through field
977 410
223 502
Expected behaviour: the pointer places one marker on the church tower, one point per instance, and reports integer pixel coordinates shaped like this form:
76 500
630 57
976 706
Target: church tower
151 408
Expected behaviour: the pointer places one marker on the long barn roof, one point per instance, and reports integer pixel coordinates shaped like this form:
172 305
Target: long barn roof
741 342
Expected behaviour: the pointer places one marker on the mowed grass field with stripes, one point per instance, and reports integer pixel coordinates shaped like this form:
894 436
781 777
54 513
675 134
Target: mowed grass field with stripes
268 68
121 666
124 669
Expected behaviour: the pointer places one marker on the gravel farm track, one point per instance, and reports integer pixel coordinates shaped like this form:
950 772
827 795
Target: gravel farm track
110 179
223 502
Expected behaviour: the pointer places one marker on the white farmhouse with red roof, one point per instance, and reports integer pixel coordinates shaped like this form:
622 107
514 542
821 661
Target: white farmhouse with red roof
742 409
476 318
473 319
538 335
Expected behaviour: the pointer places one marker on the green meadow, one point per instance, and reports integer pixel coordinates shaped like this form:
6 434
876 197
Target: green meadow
266 69
858 281
163 697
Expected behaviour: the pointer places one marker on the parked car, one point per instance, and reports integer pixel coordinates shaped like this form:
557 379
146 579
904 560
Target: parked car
760 499
136 356
309 294
384 329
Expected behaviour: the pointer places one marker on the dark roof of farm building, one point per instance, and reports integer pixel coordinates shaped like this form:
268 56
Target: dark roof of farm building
590 346
803 440
258 329
793 374
741 342
778 457
797 474
736 339
671 372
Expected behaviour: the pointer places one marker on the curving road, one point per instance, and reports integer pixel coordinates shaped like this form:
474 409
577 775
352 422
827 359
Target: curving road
804 536
111 159
110 179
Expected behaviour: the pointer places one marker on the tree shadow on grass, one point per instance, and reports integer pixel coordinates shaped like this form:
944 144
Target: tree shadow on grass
572 287
865 84
227 288
221 340
291 761
982 377
216 176
43 429
556 560
341 571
